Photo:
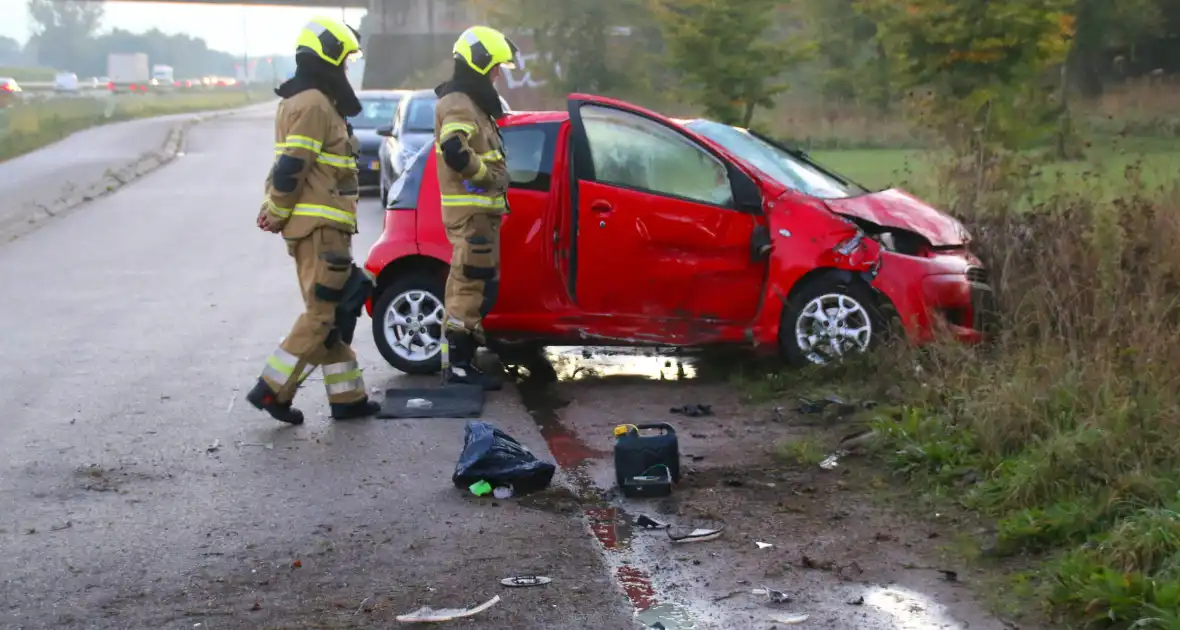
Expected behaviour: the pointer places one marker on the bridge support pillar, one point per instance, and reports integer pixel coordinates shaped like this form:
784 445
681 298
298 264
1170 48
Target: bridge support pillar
408 42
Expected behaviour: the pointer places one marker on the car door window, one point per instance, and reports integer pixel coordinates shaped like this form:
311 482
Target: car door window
529 153
636 152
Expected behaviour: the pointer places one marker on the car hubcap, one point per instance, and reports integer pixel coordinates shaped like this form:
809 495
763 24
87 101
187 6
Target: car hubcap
413 325
831 326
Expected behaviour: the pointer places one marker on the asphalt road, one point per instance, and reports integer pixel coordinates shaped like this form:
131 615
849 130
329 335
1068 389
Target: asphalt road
138 489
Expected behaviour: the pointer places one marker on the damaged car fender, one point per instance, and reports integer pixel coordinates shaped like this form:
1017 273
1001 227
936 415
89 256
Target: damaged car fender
807 240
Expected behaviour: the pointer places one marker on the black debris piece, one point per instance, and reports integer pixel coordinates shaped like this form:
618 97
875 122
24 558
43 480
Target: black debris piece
949 576
859 601
693 411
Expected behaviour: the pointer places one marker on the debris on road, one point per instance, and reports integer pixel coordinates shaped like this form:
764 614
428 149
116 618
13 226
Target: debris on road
480 488
859 601
831 461
647 522
426 614
526 580
503 492
700 534
763 545
492 456
214 447
775 597
267 445
693 411
790 620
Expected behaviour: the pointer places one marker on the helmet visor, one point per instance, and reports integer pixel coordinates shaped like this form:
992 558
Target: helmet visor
514 62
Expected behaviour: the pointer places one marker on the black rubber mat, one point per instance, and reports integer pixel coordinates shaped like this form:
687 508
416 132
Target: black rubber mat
450 401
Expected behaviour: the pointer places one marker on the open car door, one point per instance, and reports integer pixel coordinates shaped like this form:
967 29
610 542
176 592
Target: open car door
662 225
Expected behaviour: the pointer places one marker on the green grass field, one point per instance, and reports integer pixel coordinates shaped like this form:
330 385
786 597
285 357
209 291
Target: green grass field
914 170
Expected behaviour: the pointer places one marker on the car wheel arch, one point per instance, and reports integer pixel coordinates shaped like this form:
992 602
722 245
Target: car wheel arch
882 308
406 265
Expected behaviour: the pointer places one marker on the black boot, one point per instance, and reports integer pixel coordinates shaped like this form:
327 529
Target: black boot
263 397
362 408
461 355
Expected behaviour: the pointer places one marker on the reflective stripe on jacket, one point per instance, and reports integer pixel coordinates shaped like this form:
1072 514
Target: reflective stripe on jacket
320 166
482 186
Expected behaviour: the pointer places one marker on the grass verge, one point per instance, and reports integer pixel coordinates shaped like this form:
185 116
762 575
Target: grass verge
1064 433
31 125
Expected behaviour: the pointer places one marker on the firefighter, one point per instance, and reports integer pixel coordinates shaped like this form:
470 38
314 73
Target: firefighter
311 195
473 180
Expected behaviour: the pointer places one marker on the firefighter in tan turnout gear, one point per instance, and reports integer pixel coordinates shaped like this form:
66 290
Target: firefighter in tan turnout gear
311 195
473 180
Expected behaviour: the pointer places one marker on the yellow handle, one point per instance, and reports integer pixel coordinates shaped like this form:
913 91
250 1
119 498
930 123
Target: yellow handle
621 429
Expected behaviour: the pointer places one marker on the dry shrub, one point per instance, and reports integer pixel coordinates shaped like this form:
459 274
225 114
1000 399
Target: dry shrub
1070 419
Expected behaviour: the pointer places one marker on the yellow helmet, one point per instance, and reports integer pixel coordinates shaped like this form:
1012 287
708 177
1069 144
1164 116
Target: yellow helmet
483 47
332 41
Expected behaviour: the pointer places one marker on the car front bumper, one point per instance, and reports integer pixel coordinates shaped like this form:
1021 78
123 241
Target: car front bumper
939 296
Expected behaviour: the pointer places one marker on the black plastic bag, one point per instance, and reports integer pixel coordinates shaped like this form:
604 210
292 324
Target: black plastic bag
491 455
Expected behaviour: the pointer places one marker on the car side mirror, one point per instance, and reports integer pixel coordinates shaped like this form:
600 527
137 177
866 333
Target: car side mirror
386 132
747 196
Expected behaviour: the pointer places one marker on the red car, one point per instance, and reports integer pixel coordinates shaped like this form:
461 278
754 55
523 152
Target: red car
629 228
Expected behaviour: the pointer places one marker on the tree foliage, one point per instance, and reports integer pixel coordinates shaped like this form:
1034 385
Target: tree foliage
979 62
62 28
575 37
729 54
852 65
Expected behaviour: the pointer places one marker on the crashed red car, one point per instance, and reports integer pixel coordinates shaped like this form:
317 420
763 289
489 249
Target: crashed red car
629 228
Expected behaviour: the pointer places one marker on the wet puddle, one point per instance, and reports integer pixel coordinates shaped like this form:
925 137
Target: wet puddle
573 363
910 610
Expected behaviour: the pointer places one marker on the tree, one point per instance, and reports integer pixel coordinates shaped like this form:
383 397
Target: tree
63 29
1104 26
980 62
575 37
10 51
852 63
729 53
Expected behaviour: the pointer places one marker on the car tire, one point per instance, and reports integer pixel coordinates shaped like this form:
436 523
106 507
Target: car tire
428 289
823 294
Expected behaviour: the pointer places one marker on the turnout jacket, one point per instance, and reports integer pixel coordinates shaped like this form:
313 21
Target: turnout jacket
313 181
481 186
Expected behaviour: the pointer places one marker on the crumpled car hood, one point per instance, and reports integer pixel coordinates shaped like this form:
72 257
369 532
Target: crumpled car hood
894 208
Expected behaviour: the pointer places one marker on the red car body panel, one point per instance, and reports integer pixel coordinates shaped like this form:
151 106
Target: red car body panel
655 269
898 209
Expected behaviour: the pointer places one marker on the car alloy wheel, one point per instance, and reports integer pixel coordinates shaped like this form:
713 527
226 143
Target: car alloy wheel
413 325
831 326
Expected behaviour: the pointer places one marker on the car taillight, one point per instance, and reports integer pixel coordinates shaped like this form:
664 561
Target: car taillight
7 87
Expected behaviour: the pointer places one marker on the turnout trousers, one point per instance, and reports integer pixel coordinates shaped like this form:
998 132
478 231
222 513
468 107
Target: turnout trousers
474 279
323 263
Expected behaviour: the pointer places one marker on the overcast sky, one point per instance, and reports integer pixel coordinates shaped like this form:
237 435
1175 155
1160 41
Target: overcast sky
268 29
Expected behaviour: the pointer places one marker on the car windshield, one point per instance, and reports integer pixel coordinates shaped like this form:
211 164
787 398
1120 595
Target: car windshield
374 113
788 169
420 117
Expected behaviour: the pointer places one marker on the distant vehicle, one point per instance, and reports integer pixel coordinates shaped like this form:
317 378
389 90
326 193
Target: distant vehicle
9 91
162 75
98 82
128 72
65 82
412 127
378 108
630 228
